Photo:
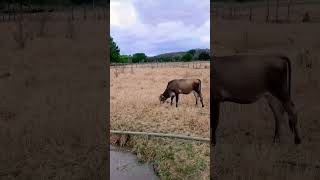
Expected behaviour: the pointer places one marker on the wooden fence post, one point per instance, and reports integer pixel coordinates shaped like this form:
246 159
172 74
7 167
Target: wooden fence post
84 13
268 11
14 14
250 14
277 9
288 16
72 16
20 11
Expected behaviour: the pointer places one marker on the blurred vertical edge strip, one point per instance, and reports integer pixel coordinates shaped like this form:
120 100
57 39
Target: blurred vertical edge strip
108 88
212 173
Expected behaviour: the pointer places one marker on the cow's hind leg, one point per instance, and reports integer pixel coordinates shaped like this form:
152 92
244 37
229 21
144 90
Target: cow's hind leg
177 99
277 110
198 90
201 99
292 113
200 96
196 96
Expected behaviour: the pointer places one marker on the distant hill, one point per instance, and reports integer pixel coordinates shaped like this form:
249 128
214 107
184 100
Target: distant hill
181 53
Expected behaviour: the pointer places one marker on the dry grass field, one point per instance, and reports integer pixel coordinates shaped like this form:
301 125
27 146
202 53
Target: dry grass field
51 109
135 106
245 149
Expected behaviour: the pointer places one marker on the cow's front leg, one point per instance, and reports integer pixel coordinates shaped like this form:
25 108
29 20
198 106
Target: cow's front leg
177 99
171 99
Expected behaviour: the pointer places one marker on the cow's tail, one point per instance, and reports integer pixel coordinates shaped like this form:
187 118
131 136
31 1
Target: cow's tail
288 73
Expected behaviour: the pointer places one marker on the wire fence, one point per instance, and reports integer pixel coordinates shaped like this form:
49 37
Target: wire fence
290 11
78 13
191 64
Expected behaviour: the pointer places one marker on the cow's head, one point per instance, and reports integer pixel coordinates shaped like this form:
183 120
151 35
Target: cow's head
162 98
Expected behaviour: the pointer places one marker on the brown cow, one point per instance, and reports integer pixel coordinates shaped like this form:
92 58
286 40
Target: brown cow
244 79
182 86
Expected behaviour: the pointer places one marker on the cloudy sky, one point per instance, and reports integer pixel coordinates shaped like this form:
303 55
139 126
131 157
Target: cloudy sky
160 26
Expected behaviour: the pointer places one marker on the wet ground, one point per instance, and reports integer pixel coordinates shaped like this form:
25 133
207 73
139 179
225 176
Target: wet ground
125 166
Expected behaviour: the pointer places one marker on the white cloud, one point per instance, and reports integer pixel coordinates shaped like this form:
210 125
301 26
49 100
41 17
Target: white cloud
204 32
154 36
122 13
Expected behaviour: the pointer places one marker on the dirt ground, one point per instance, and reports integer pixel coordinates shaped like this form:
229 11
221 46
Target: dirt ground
245 149
135 106
52 121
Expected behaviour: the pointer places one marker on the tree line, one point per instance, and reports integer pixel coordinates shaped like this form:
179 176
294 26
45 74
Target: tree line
116 57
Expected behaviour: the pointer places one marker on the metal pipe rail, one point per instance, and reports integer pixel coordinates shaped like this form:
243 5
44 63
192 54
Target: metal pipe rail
161 135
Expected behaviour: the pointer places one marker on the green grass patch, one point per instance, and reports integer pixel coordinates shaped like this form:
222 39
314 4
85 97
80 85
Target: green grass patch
173 159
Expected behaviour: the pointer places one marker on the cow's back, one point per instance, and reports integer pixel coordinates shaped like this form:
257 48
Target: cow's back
184 86
248 76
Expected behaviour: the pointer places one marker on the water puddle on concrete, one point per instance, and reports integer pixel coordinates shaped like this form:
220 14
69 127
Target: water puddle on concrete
124 165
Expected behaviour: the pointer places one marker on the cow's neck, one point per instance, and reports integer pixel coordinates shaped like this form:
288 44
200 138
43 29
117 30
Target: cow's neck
166 93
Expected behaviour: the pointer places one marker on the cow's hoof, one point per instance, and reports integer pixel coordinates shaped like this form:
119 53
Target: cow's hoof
297 140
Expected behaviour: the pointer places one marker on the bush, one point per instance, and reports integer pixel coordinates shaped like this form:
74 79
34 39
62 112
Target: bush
124 59
187 57
177 58
204 56
139 57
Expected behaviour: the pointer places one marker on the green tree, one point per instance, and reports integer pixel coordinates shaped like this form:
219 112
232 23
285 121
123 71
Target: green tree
204 56
138 57
114 51
187 57
164 59
124 59
176 58
150 59
192 52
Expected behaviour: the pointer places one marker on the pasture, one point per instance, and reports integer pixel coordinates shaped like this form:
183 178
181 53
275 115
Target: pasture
245 149
135 106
